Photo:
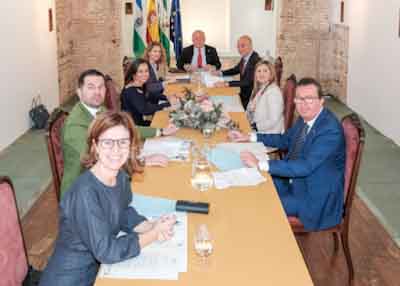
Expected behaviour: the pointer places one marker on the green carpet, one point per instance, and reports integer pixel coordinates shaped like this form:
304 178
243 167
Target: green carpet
27 164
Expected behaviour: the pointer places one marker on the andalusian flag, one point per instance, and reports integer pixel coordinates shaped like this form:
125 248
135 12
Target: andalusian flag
138 30
153 29
176 28
164 27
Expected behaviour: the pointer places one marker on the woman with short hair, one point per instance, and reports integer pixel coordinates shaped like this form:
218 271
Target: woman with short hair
96 208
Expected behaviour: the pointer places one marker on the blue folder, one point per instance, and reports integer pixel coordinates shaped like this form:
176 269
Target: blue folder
225 159
149 206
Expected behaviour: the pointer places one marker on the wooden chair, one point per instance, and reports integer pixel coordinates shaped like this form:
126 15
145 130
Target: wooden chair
13 259
54 147
278 70
111 100
289 92
355 138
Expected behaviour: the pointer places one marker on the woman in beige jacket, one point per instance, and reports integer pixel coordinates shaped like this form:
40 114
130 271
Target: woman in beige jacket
265 109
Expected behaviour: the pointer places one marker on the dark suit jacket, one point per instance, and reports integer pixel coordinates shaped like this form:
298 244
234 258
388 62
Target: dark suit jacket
211 57
246 79
153 84
318 173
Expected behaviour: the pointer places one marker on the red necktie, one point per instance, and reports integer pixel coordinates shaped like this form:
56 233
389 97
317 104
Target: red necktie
199 59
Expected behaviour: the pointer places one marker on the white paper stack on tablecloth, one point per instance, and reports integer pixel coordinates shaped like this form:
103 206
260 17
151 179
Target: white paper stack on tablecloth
172 147
230 103
238 178
160 260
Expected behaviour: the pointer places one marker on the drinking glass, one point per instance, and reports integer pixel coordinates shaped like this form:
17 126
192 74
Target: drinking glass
187 67
208 131
203 244
201 173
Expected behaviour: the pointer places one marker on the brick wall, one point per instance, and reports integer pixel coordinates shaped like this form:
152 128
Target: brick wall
88 36
309 46
334 61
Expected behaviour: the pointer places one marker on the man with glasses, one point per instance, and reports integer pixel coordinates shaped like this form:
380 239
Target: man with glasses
91 92
310 178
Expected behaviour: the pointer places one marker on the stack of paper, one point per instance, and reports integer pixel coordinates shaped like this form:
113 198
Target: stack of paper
172 147
209 80
238 178
160 260
229 103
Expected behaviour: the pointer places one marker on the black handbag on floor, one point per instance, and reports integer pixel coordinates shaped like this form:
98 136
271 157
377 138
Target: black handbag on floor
38 114
32 277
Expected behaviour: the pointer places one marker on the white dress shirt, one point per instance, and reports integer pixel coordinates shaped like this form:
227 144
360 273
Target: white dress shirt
195 55
92 110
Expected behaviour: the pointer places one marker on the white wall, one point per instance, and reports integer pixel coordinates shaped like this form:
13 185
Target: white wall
28 64
249 17
213 17
374 63
223 22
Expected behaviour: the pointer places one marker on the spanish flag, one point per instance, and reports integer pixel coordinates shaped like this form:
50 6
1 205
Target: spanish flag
153 28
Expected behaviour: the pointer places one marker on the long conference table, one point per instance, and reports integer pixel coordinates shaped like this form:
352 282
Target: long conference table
253 243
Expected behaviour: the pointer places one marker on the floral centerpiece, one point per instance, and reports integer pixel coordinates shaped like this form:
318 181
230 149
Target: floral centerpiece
199 112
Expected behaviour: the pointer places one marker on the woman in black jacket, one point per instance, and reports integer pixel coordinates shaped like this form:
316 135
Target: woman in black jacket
134 96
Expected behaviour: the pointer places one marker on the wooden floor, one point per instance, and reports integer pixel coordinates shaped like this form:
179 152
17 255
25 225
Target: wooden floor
375 256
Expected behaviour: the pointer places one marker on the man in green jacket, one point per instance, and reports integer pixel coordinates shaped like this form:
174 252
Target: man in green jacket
91 92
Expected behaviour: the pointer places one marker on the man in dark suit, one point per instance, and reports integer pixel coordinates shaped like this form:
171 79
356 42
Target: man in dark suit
199 55
245 68
310 179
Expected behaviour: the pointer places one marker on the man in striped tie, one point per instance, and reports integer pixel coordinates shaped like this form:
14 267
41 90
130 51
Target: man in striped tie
310 178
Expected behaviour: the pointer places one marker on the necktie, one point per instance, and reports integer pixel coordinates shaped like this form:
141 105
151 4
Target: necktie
199 59
241 66
298 143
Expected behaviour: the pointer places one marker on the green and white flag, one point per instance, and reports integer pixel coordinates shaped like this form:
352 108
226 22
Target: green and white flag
139 30
164 26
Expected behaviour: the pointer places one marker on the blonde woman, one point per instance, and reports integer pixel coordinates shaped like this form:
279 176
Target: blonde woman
155 55
265 108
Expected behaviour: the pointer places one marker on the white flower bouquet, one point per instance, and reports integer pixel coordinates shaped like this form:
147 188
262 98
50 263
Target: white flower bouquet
199 112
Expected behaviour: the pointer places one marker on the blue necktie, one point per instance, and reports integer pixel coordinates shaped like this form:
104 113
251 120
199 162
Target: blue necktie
298 143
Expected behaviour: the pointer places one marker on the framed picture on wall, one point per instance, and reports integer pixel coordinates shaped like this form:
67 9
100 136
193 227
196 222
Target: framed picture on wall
269 5
50 16
128 8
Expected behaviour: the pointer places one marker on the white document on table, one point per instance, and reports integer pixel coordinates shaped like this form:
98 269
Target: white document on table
237 178
257 148
209 80
230 103
172 147
160 260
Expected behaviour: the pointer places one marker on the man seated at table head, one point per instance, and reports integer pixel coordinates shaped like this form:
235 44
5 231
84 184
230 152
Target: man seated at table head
310 178
199 55
91 92
245 68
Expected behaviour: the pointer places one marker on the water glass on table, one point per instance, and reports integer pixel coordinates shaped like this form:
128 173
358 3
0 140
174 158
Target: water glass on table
203 244
201 179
